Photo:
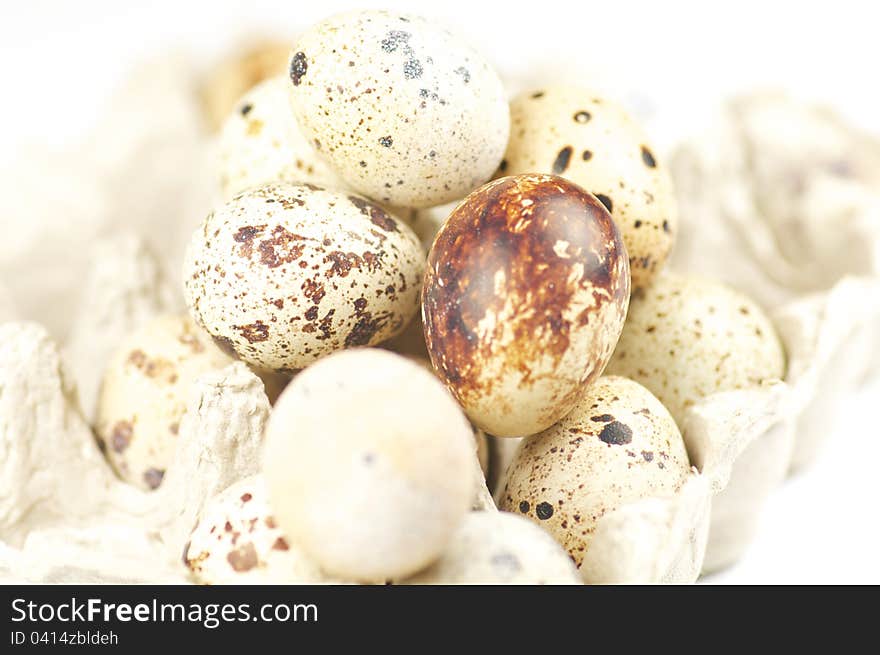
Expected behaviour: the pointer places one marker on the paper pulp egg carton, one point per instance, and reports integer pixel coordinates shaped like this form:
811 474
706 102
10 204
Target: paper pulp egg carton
782 201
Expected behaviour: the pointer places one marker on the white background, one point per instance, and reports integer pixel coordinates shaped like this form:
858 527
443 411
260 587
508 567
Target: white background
672 62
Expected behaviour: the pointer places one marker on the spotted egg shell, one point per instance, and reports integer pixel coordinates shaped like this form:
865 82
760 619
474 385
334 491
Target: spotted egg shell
524 298
687 338
237 541
369 463
500 548
406 112
593 142
284 274
618 445
261 143
144 395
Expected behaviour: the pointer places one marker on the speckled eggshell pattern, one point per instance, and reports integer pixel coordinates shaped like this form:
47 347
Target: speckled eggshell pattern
687 338
525 295
237 541
591 141
406 112
618 445
369 463
144 393
500 548
261 143
284 274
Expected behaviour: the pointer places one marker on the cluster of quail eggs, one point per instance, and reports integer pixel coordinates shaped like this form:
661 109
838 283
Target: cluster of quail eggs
539 314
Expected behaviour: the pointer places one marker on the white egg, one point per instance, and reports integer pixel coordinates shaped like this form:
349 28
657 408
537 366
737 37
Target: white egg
370 464
406 112
284 274
260 143
500 548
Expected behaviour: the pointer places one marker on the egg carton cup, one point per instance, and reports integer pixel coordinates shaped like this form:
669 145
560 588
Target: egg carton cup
782 201
146 169
666 539
64 516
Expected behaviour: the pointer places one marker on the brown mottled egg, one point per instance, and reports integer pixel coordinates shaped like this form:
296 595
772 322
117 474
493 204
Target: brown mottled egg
237 541
406 112
591 141
686 338
500 548
524 298
370 464
144 394
261 143
618 445
239 73
284 274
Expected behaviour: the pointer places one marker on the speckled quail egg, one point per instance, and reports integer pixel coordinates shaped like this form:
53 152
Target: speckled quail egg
500 548
687 338
369 463
237 541
406 112
261 143
238 73
618 445
284 274
590 140
144 394
524 298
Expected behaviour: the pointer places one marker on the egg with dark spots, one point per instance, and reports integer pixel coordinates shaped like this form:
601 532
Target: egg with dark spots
260 143
144 394
614 160
525 294
687 338
403 110
617 446
284 274
238 541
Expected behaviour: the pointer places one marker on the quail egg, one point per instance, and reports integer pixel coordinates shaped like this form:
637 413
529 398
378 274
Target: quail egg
144 394
500 548
284 274
406 112
261 143
237 541
525 295
686 338
369 463
592 141
618 445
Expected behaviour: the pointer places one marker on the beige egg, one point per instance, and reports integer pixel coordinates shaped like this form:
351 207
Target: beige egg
686 338
284 274
592 141
406 112
500 548
144 395
237 541
369 463
238 73
617 446
525 295
261 143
